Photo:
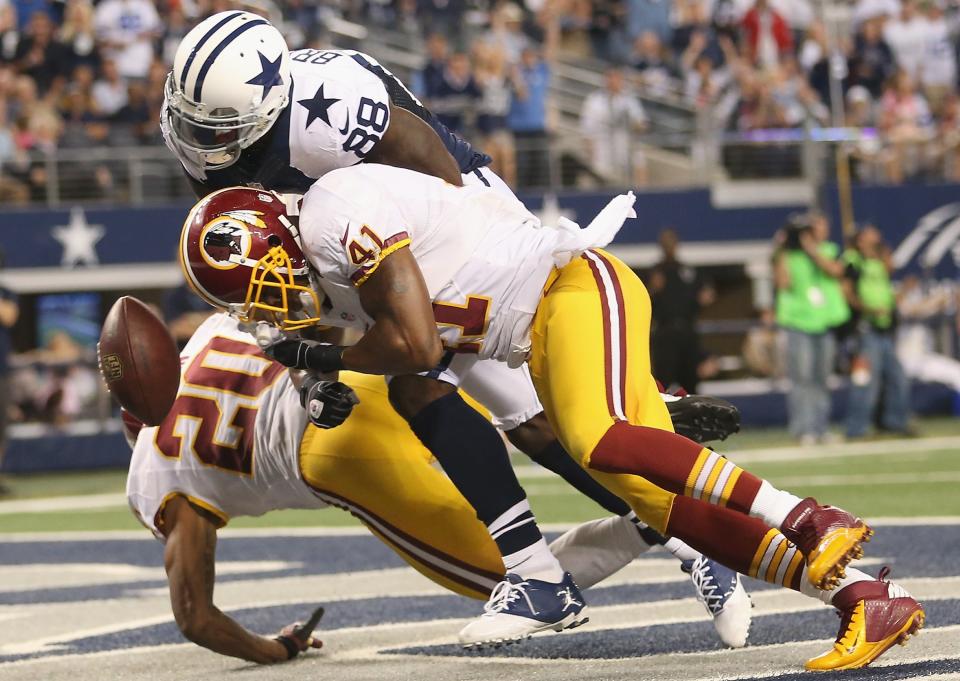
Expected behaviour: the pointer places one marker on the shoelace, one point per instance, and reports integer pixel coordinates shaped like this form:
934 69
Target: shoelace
708 591
505 594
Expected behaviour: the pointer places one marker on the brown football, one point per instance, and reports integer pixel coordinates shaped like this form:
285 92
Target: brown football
139 360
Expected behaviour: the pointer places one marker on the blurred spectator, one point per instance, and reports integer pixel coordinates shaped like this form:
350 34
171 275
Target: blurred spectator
497 81
528 118
757 108
110 90
126 30
608 29
25 9
763 348
808 306
906 126
767 37
657 72
875 369
609 123
706 75
9 311
795 97
871 63
457 93
873 9
506 32
428 80
441 16
938 68
921 304
78 34
907 34
677 295
40 56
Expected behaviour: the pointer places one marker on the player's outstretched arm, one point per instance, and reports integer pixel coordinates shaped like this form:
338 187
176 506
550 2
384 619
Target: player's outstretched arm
410 143
189 560
403 339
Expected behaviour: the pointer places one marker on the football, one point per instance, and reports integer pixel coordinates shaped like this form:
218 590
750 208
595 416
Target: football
138 360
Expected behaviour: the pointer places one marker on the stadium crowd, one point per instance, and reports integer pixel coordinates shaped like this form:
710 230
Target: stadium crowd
78 74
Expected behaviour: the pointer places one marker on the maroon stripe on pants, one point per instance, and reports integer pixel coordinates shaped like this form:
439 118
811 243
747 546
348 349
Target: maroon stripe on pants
622 317
744 492
662 457
607 349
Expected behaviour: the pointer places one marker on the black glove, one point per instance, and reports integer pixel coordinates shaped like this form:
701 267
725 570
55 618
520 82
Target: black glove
702 418
298 638
297 353
328 403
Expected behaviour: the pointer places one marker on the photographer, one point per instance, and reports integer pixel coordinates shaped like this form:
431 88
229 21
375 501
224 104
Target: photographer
876 367
809 305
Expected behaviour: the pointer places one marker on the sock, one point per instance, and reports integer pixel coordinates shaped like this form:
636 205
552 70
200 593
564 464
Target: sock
554 458
594 550
472 454
680 550
528 559
676 464
772 505
852 577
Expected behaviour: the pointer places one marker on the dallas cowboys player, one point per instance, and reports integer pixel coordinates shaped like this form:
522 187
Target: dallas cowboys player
241 109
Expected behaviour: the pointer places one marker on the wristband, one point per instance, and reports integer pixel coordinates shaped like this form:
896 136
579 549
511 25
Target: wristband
325 358
292 648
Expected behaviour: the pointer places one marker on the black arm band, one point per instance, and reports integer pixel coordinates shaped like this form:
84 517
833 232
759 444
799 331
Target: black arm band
325 358
292 648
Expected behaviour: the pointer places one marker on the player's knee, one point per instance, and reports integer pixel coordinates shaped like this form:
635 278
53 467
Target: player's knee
410 394
532 436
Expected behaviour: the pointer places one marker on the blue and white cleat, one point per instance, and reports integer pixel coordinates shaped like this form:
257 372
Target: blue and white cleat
719 589
518 608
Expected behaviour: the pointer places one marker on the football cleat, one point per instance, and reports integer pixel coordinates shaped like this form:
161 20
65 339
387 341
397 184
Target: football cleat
702 418
722 594
521 607
874 615
829 537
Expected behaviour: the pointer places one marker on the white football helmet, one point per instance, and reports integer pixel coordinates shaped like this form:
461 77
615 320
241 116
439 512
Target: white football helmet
230 81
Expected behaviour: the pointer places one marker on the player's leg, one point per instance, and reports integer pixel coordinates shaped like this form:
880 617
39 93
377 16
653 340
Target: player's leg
375 468
590 364
536 593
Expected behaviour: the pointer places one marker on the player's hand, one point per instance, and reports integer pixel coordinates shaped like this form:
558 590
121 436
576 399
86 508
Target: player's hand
328 403
298 637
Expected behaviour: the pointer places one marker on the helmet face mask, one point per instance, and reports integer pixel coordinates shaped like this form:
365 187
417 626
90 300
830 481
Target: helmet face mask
276 297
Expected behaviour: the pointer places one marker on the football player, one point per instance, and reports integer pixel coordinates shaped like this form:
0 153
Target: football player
237 442
389 247
241 109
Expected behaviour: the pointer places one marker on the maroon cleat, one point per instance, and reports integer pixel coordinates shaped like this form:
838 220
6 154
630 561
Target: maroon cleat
828 536
874 615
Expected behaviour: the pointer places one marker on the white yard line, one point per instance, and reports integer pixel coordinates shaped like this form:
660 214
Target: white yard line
67 503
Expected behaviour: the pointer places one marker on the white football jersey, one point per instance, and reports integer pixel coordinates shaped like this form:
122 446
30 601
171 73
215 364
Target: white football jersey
483 255
231 441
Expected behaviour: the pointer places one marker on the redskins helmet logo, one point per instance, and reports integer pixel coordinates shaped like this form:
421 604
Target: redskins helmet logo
225 242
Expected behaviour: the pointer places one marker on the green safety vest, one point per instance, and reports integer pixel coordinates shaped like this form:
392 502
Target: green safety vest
803 306
836 310
873 288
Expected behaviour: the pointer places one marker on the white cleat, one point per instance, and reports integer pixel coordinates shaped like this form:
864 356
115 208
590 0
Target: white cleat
720 590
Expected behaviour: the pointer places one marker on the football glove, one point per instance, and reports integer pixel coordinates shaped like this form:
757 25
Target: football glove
297 353
328 403
298 637
703 419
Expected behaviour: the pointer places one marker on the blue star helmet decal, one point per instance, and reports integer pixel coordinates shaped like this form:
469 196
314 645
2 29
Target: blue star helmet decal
270 75
317 107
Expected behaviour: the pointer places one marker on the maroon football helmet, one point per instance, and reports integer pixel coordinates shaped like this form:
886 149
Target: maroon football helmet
239 252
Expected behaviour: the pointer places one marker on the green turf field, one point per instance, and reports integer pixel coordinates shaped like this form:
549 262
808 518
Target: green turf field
895 478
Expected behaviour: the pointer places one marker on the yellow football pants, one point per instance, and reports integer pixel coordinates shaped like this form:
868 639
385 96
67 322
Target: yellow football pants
374 467
590 363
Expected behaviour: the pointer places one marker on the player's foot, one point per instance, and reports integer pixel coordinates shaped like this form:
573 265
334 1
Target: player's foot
719 589
874 615
829 537
518 608
702 418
